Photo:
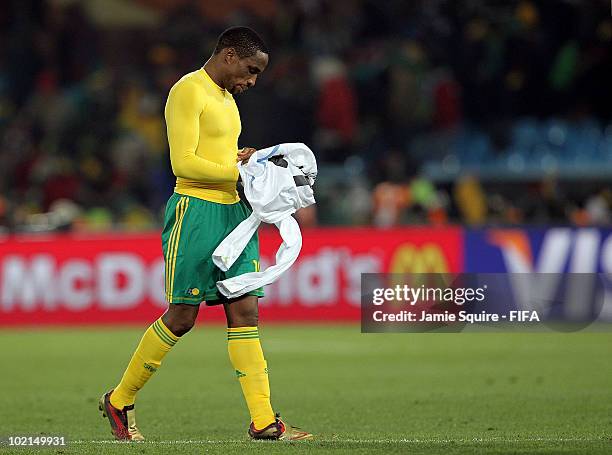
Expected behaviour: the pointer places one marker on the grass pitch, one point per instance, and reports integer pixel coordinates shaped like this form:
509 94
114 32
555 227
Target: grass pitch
359 393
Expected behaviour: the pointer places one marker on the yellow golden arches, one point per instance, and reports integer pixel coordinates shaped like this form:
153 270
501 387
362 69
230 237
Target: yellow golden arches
412 262
427 258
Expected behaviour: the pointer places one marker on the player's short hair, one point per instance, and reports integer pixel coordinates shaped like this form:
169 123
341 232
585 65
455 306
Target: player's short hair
244 40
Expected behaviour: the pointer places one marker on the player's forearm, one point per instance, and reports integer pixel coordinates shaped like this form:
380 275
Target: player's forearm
192 167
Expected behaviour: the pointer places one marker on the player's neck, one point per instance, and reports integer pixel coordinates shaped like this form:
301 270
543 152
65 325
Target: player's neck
213 72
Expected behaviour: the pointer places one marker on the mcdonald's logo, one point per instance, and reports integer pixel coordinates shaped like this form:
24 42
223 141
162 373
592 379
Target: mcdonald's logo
426 258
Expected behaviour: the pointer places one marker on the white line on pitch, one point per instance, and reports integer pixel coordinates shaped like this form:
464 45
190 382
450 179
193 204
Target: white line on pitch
365 441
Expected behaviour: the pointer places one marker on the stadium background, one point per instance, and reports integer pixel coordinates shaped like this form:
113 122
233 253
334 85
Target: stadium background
451 136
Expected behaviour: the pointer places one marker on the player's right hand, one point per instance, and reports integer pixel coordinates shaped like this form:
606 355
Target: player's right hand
244 154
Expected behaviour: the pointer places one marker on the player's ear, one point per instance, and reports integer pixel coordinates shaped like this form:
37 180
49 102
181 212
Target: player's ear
230 55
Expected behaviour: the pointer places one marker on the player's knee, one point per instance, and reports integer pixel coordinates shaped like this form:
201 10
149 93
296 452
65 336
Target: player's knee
179 326
244 319
242 312
245 322
182 327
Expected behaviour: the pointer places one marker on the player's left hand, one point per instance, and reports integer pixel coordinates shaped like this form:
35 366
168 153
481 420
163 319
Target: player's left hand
244 154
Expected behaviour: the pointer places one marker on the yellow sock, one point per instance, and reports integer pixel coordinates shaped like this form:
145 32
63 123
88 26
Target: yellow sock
155 343
252 370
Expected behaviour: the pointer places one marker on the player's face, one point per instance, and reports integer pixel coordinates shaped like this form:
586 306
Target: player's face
243 72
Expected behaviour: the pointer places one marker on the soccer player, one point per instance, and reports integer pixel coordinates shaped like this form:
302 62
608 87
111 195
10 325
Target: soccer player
203 128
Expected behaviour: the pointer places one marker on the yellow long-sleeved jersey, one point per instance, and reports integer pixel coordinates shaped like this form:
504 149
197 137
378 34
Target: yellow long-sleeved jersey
203 127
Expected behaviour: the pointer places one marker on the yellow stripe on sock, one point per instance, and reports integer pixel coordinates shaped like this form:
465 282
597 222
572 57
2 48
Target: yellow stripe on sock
178 238
170 247
242 333
242 329
167 331
162 334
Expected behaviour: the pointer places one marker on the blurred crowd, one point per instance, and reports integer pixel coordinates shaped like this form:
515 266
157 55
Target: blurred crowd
418 111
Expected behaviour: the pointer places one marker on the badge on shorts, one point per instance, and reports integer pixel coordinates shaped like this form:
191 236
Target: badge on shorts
193 291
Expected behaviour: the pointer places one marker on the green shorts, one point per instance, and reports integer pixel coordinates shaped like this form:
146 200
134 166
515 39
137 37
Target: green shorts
193 228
